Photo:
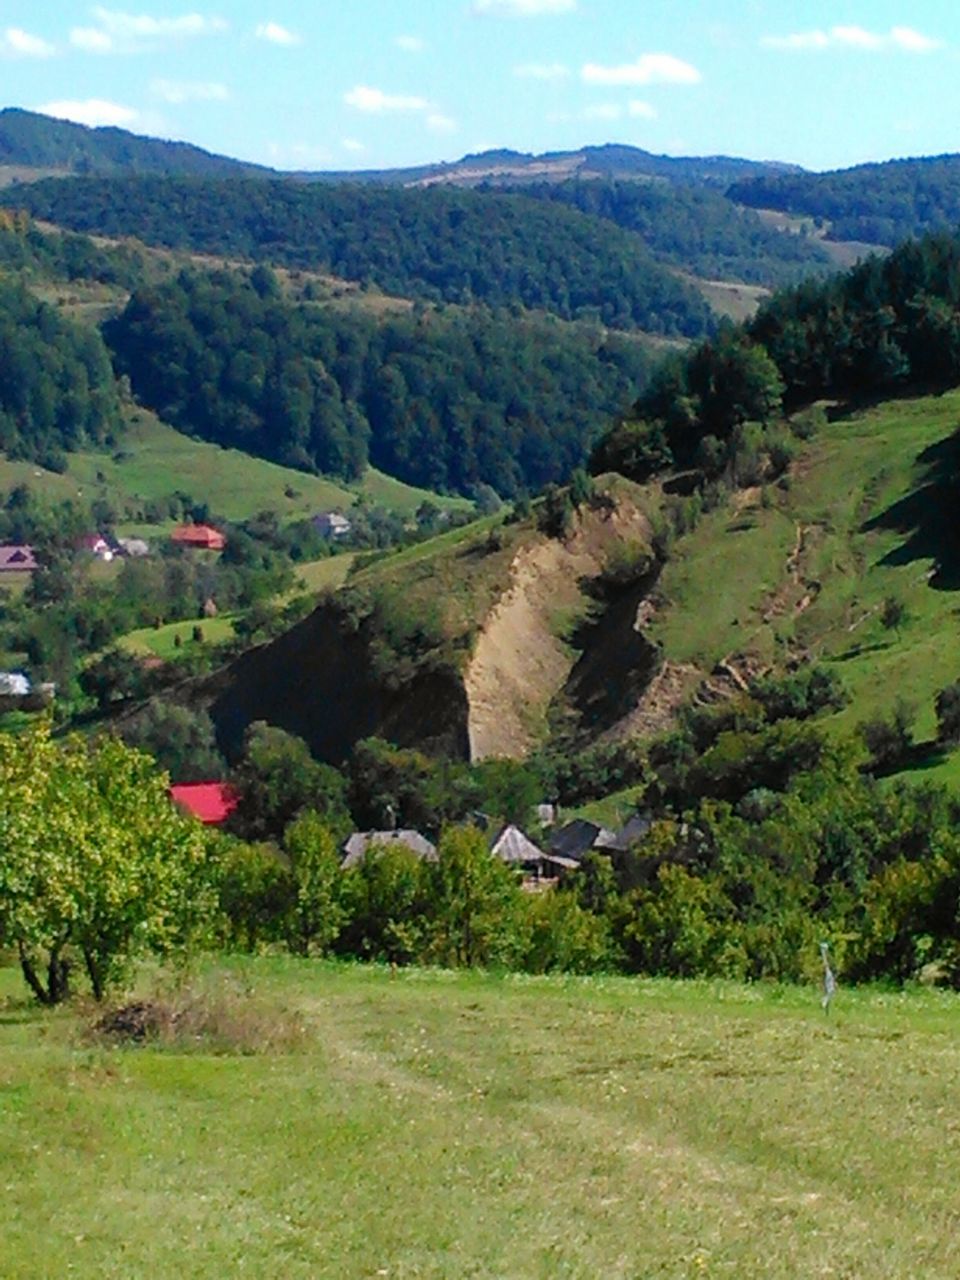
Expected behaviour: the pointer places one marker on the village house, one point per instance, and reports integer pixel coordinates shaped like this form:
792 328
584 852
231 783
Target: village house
17 559
355 848
97 545
135 547
198 537
331 524
210 802
14 684
540 869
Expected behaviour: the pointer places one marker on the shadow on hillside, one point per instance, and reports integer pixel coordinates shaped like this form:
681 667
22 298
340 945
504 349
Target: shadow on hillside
929 517
921 757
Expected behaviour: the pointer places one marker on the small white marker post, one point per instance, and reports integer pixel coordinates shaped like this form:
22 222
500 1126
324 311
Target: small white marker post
829 981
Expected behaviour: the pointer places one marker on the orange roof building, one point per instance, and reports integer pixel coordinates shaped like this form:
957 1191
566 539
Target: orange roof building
201 537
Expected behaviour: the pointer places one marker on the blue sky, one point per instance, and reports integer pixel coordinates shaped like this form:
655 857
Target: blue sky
375 83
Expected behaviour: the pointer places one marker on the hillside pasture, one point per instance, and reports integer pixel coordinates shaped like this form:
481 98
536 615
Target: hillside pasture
429 1124
805 571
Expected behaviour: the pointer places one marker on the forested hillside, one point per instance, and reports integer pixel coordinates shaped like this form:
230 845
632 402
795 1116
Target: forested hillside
884 325
437 245
694 228
445 399
876 203
31 140
57 389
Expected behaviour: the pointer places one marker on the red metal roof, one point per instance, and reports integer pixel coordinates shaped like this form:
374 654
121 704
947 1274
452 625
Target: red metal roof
199 535
211 802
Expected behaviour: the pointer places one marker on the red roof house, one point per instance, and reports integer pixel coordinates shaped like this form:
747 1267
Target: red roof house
200 537
211 802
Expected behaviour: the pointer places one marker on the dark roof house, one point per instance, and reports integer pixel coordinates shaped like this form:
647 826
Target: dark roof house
17 559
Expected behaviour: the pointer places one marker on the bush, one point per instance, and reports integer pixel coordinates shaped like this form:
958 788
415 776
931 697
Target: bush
948 714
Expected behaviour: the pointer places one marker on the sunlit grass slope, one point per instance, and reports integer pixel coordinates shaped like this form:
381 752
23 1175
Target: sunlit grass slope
869 515
433 1125
152 461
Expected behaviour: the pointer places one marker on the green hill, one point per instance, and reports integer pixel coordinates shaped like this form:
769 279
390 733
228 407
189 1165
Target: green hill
33 141
878 203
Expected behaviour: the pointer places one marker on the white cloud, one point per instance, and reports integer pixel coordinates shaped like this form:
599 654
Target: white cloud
299 155
274 33
439 123
376 102
853 37
643 110
649 68
914 41
118 32
17 43
542 71
602 111
91 111
410 44
179 91
353 144
523 8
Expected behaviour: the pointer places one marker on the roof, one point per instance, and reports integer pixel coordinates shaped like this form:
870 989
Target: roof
355 848
13 557
211 802
199 535
511 845
575 839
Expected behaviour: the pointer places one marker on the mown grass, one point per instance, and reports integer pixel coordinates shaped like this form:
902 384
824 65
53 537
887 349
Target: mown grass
439 1125
869 494
161 642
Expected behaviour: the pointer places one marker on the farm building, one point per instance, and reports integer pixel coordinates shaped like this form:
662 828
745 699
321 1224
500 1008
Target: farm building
198 537
519 851
17 559
331 524
356 847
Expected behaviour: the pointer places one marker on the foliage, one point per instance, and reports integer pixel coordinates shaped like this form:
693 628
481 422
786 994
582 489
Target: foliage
875 329
696 229
181 740
96 863
948 714
318 914
58 390
475 904
277 779
434 243
445 399
877 203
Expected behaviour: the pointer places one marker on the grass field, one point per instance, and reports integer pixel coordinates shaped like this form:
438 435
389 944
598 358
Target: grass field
868 516
154 461
440 1125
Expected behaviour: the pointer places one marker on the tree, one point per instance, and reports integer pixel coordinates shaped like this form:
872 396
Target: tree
948 714
181 740
893 613
318 913
97 864
277 779
475 902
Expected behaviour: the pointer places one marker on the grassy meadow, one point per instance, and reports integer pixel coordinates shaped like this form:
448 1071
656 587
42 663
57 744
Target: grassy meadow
430 1124
806 571
153 461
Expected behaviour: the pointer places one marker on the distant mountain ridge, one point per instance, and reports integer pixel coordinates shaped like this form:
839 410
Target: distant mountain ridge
29 139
